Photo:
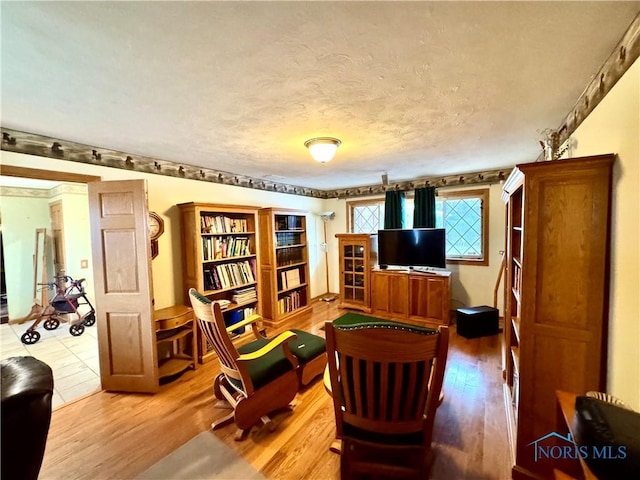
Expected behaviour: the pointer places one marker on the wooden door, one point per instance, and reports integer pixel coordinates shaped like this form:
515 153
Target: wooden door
57 231
122 276
380 292
398 294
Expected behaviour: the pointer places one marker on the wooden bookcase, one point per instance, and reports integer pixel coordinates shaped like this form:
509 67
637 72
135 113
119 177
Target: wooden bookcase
284 264
556 297
220 259
358 256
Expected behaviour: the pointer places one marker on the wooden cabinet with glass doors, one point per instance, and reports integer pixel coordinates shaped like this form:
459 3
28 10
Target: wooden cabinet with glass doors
358 255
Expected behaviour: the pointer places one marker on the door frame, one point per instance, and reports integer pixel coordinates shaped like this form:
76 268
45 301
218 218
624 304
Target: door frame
36 173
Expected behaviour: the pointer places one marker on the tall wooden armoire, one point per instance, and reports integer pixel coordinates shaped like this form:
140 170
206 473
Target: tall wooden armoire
556 308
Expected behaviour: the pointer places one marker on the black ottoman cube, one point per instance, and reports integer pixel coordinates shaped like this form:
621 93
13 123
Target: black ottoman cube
477 321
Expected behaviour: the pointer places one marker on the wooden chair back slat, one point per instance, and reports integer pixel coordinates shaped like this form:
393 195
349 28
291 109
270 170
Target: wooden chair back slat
384 389
370 378
386 376
356 380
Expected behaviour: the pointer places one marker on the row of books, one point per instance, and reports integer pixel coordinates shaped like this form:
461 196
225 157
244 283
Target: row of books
218 277
289 278
214 248
287 238
288 256
288 222
291 302
245 295
222 224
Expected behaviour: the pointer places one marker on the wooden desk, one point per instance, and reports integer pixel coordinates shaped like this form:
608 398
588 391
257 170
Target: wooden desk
175 339
566 411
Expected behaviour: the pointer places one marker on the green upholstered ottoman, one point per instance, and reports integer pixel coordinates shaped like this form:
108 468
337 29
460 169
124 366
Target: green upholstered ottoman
308 348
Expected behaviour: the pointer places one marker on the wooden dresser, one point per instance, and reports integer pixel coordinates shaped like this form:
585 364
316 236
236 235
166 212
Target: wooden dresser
408 295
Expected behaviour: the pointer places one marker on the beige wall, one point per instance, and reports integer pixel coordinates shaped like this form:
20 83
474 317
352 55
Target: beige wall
614 127
165 192
471 285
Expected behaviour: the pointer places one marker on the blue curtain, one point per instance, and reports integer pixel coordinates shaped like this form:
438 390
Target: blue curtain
424 209
393 209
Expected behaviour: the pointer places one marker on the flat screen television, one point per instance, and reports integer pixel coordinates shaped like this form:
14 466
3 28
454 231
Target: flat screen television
416 247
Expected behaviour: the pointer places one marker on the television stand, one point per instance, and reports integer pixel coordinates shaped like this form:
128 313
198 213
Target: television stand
428 270
411 295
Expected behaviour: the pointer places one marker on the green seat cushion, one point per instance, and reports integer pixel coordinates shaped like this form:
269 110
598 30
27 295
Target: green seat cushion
307 346
354 320
267 368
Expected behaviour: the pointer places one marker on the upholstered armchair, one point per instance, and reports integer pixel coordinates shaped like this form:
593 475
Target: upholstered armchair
27 388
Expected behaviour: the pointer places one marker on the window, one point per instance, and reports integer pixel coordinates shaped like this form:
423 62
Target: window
366 216
464 215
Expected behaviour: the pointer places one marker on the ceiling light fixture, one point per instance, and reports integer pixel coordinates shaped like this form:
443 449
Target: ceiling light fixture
322 149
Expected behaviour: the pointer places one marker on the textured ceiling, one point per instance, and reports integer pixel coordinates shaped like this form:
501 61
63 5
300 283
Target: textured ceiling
414 89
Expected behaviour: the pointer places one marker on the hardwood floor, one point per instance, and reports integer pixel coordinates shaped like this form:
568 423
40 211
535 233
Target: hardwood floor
111 435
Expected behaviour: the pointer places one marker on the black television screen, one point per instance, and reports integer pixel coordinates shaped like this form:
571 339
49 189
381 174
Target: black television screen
417 247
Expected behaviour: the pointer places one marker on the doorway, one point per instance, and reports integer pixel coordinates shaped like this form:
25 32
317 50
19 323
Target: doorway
4 309
73 359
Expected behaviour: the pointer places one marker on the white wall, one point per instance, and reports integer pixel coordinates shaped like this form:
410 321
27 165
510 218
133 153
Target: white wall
22 213
21 216
614 127
77 234
164 193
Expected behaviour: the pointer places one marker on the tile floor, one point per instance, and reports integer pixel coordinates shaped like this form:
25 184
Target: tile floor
74 360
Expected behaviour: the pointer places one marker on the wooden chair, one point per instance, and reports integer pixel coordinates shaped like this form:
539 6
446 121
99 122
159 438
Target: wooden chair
254 384
386 380
256 377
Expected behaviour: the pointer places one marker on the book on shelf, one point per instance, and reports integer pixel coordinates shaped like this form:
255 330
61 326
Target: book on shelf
290 302
291 278
235 316
216 248
284 239
245 295
288 256
228 275
222 224
288 222
224 304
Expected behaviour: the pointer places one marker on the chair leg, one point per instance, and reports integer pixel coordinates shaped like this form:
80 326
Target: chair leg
218 384
336 447
223 421
223 404
240 434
